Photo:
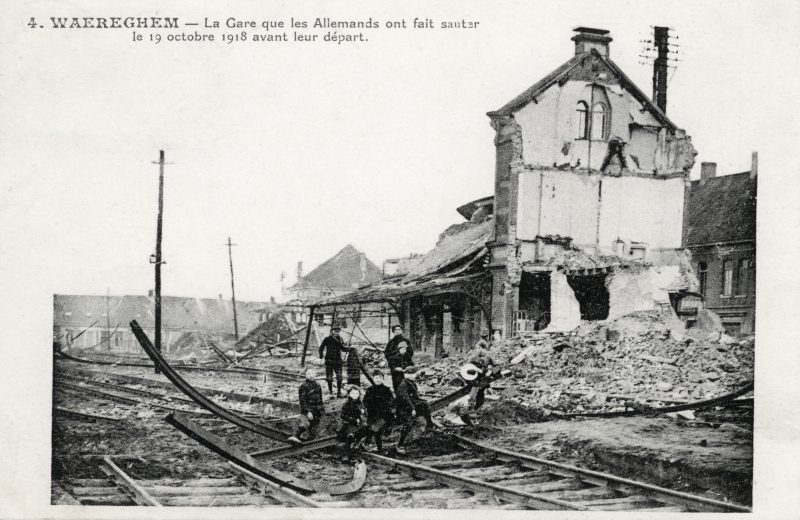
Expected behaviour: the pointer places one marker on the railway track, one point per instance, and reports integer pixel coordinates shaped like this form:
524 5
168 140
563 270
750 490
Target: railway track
243 489
480 476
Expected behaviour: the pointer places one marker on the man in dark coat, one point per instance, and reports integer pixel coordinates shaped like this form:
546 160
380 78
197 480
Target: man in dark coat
311 407
393 344
400 359
409 405
378 402
331 349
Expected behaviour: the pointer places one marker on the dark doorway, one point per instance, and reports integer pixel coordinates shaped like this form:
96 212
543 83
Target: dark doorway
592 295
534 302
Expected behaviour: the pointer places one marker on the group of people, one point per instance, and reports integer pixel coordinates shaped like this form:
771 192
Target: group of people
372 415
380 409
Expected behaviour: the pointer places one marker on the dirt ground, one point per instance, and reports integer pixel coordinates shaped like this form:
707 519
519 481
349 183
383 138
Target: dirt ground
712 455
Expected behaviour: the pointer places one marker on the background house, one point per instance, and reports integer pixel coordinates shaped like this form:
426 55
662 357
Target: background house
104 317
721 235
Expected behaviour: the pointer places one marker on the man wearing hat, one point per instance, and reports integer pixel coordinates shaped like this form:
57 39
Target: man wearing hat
331 350
409 405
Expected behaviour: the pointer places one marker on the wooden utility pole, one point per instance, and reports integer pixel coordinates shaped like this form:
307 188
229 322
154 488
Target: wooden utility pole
108 318
158 254
233 291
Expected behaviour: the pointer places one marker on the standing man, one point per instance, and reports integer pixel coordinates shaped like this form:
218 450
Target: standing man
331 350
311 407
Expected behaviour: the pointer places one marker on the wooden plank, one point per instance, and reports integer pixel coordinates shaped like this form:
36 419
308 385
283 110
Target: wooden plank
92 482
612 501
221 501
94 491
584 494
567 483
413 485
462 463
197 482
158 491
109 500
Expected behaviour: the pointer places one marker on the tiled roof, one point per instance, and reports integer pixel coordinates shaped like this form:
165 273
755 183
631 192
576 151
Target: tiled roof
347 270
452 248
722 209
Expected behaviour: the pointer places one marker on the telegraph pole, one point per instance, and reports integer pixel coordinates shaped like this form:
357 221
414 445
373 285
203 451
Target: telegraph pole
661 42
158 254
108 318
233 292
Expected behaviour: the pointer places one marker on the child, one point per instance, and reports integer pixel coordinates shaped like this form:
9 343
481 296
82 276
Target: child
409 404
351 417
311 407
378 403
400 360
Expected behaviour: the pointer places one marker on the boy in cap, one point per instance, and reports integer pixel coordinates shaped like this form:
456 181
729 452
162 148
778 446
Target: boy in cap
351 417
409 405
331 349
311 407
399 361
378 402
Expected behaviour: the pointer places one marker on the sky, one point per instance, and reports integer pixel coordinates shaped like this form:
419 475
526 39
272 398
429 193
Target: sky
294 150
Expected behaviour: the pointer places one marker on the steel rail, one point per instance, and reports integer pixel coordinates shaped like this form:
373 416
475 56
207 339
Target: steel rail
595 477
74 389
199 398
644 409
83 415
137 492
276 491
533 500
236 370
287 451
237 456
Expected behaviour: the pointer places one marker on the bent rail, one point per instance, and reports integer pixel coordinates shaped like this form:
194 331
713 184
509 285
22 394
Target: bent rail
199 398
233 454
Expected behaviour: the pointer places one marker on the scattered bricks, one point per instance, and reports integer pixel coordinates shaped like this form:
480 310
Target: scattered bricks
710 376
695 377
658 359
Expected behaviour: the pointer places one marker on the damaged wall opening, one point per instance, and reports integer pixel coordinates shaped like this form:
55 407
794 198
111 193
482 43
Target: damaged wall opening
592 295
534 302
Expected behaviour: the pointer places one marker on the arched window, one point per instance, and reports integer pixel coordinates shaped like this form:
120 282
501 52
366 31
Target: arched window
599 120
582 119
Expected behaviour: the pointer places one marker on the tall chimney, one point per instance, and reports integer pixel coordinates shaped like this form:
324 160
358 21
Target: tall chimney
661 42
754 166
589 38
299 271
708 170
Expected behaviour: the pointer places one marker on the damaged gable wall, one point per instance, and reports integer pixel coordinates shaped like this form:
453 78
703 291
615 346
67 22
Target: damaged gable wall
634 190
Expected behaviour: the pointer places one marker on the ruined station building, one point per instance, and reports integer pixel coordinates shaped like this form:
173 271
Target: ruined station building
590 185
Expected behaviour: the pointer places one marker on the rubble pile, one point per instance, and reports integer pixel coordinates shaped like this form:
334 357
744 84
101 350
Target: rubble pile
602 365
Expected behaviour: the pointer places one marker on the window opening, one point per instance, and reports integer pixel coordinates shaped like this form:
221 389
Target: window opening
727 277
582 119
599 120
